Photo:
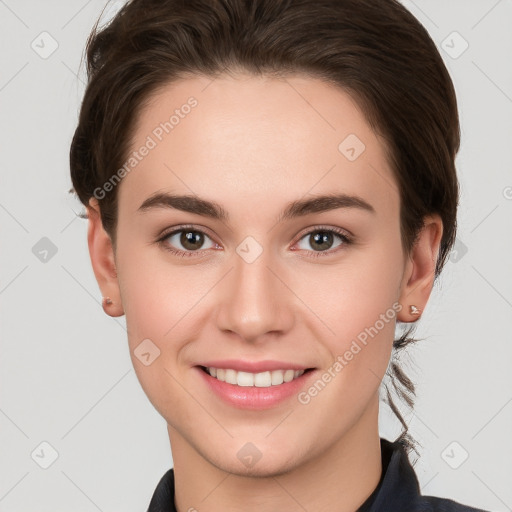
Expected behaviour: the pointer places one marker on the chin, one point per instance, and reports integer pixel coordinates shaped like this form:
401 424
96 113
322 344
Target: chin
268 469
266 463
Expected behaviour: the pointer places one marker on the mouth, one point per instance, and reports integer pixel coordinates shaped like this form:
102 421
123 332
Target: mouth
265 379
255 391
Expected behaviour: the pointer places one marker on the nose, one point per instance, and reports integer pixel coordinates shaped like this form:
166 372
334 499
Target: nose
255 301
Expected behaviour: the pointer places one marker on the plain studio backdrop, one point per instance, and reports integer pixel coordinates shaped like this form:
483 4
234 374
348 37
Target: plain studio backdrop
76 430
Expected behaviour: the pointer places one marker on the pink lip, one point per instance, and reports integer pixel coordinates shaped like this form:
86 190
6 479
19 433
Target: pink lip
252 397
252 366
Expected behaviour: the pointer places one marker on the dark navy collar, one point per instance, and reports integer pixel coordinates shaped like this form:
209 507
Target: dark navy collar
397 491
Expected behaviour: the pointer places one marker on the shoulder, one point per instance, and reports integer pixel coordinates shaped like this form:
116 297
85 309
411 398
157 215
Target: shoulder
163 497
436 504
400 488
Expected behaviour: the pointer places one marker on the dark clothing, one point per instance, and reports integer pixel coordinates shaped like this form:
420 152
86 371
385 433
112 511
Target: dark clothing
397 491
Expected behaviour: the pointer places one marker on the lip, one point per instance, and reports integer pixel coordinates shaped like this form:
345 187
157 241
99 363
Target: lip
253 366
252 397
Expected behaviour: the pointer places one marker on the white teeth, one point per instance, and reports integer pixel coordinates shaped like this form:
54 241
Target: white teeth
243 378
288 375
230 376
277 377
260 380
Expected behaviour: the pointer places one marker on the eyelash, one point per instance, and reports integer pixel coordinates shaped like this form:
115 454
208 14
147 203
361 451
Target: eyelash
346 239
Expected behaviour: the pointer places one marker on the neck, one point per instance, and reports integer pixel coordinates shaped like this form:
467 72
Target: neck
339 479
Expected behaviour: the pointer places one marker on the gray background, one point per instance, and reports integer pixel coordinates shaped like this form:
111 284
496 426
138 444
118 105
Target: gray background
66 377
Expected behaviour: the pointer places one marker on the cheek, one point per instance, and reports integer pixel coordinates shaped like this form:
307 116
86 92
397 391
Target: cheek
357 292
155 293
156 299
363 319
360 304
163 304
151 300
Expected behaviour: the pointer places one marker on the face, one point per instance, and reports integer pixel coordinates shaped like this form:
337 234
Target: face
306 287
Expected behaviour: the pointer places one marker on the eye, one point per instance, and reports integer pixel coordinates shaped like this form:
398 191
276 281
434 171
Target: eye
187 240
322 239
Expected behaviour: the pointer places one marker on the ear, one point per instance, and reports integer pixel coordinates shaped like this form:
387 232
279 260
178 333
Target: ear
103 260
419 274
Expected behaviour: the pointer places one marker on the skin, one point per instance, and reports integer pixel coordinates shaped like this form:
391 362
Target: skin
253 142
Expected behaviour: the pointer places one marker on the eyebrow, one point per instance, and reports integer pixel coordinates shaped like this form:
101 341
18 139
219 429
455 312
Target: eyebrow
213 210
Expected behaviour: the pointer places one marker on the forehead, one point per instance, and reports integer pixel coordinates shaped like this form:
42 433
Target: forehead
245 138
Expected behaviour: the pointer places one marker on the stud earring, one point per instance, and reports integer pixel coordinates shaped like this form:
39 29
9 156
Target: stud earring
414 310
107 301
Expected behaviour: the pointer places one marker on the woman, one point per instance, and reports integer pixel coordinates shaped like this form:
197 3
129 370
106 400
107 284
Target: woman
270 188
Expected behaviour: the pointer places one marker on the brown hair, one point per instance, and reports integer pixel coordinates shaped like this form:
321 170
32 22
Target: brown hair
375 50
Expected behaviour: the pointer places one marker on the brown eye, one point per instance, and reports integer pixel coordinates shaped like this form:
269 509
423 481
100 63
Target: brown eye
323 240
191 240
185 241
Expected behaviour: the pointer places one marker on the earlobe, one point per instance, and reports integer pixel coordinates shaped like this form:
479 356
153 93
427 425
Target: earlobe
419 275
103 261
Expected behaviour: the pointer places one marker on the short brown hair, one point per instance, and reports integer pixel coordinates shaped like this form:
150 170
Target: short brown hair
375 50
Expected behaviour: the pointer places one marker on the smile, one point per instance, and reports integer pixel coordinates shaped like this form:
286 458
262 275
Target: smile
247 379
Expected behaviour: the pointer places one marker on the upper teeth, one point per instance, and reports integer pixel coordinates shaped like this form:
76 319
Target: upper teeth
261 380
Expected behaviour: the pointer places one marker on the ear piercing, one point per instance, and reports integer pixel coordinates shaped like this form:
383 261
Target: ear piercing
112 311
414 310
